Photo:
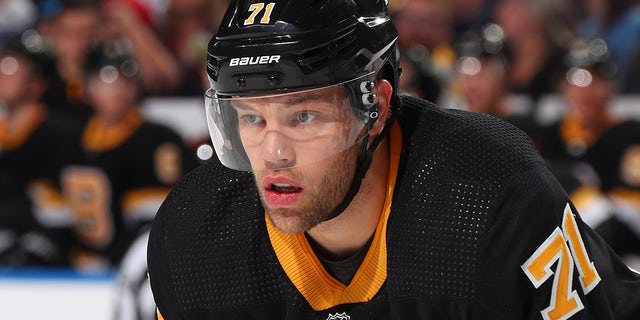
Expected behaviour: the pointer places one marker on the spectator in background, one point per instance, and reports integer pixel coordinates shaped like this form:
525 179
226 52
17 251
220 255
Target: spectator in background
70 28
124 168
618 23
32 152
418 75
186 29
589 133
471 14
127 26
424 22
535 34
74 27
425 30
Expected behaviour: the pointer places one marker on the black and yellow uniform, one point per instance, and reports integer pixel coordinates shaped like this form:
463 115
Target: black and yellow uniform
32 151
614 156
117 182
474 227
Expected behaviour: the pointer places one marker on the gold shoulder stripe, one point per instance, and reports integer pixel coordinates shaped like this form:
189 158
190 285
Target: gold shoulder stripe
583 196
306 272
630 196
98 136
17 128
143 201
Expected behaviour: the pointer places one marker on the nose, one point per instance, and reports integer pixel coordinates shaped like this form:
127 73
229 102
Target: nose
277 151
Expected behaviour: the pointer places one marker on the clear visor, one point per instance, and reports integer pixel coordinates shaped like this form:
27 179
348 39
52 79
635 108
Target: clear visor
288 130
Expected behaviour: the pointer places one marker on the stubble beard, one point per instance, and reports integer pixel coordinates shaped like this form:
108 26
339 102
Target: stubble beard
320 199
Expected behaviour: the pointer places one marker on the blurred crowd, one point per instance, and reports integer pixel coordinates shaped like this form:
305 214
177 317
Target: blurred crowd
82 171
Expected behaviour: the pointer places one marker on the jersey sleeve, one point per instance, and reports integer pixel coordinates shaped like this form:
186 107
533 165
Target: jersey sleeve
541 261
154 171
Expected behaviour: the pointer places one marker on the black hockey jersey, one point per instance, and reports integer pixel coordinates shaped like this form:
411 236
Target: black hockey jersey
116 182
616 157
33 148
474 227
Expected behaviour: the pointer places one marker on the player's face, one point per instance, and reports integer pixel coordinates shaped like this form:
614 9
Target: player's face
111 94
298 199
482 82
296 146
15 74
587 93
297 129
72 33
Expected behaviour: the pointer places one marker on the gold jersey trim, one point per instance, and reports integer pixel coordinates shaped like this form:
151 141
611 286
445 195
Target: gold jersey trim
630 196
98 136
15 129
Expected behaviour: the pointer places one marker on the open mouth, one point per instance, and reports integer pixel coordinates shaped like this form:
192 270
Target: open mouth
281 191
284 188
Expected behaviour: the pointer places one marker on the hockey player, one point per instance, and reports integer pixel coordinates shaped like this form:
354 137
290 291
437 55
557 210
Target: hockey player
591 133
33 216
124 167
335 198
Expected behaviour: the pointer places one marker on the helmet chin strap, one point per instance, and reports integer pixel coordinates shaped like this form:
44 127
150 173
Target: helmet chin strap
364 162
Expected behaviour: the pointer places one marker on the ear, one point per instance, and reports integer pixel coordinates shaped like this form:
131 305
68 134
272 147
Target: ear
384 92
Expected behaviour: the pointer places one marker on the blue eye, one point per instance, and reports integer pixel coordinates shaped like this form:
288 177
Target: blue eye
251 118
305 117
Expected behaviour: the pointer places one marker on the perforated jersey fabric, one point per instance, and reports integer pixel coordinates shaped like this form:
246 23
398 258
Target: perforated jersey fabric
473 202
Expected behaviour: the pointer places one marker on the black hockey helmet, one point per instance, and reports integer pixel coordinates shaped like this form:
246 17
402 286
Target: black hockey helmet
109 61
293 45
30 45
481 44
587 58
289 47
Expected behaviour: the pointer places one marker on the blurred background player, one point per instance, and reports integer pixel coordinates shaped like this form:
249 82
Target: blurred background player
482 72
590 133
124 168
536 34
72 29
32 150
